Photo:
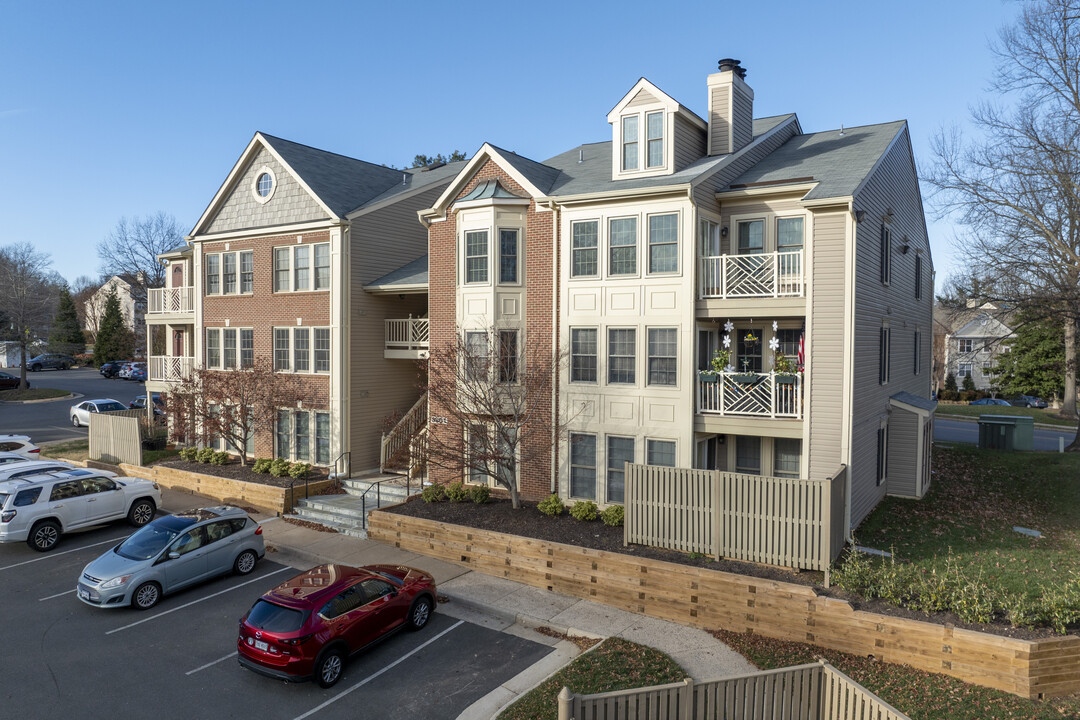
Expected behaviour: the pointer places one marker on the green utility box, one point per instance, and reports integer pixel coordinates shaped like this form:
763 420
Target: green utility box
1006 432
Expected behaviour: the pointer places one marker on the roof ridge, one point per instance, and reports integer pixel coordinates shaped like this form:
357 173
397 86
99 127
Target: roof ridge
326 152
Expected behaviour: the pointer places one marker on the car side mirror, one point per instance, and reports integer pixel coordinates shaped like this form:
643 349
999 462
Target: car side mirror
173 555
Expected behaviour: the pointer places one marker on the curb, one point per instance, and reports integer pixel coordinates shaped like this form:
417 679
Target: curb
70 396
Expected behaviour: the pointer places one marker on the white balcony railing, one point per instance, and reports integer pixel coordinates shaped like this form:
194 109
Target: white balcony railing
170 300
777 274
754 394
170 368
408 336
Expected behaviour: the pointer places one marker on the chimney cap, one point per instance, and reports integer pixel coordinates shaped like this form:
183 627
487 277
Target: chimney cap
731 64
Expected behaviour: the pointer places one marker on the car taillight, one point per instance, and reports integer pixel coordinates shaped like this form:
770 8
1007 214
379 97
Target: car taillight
296 641
7 515
258 530
36 450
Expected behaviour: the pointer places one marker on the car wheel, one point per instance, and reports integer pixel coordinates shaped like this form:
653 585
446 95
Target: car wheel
44 535
146 596
141 512
245 562
420 613
75 421
328 668
35 368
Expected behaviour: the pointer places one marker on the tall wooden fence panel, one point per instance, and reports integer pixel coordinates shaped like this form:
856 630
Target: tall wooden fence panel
778 521
116 437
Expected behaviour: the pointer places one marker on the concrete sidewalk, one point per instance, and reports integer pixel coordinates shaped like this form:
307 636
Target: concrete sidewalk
498 603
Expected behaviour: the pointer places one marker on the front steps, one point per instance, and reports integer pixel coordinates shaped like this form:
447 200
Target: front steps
345 513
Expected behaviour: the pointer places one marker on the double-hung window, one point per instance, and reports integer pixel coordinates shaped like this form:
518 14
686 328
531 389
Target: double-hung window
622 246
508 356
620 450
751 237
247 272
301 349
299 268
630 142
213 274
663 243
293 349
660 452
283 436
247 348
322 438
302 267
281 348
282 269
508 256
322 266
654 134
228 273
748 454
583 355
967 345
476 256
789 234
621 355
213 347
583 465
223 344
228 343
476 356
663 356
302 436
585 237
322 350
786 454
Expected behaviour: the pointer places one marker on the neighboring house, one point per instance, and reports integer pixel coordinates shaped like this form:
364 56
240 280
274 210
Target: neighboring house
278 266
11 354
132 310
635 256
969 341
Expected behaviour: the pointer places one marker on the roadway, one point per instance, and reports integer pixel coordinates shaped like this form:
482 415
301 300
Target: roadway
961 431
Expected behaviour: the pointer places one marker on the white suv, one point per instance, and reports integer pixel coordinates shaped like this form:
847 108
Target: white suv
20 445
39 508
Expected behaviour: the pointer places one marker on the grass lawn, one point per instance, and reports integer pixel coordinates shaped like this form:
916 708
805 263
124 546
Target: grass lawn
32 394
149 457
1047 416
918 694
70 449
976 498
615 664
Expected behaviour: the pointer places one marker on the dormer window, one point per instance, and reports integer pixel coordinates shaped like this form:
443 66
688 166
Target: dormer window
654 123
654 141
630 142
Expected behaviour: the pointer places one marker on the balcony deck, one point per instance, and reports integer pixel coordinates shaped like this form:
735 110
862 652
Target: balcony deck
407 339
763 275
169 368
170 304
760 395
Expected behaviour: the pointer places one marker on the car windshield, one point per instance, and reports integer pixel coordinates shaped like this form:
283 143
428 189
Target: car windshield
110 406
152 539
274 618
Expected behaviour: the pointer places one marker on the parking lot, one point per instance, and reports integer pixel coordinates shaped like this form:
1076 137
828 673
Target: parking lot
48 421
62 658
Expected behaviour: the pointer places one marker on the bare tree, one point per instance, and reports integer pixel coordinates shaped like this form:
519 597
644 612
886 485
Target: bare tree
491 413
131 250
1015 188
233 405
28 294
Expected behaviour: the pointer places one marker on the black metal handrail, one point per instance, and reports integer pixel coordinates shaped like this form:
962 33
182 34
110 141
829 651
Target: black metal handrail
307 476
378 496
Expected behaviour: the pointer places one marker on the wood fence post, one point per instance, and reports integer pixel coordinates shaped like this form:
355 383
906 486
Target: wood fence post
716 514
686 700
565 702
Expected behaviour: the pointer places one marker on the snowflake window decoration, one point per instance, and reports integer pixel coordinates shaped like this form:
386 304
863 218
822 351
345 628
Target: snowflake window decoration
774 343
729 326
727 341
775 326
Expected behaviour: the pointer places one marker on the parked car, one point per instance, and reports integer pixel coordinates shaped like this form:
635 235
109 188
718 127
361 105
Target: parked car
10 457
125 370
111 369
80 412
139 403
20 445
170 553
50 361
307 627
1029 401
28 468
138 373
39 508
990 401
10 382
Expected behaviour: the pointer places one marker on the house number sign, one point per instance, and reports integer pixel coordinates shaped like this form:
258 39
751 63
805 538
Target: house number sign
438 420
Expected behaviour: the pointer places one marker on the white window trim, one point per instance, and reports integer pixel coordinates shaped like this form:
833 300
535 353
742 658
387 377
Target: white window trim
599 369
598 248
642 169
678 341
770 231
292 267
638 449
608 219
596 465
219 331
607 356
311 349
489 280
221 272
313 446
673 441
519 270
647 244
255 185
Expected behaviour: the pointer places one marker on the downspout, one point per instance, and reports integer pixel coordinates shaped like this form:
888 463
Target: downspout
555 347
851 221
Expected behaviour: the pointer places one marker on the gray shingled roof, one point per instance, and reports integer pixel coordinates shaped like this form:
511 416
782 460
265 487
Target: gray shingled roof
415 273
539 174
914 400
415 178
343 183
839 163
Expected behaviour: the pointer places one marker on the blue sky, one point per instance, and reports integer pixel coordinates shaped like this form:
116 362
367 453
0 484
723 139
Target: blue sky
127 108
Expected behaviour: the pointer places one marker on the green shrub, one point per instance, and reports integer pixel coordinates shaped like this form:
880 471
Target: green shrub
261 466
205 455
219 458
433 493
613 515
584 510
299 470
480 494
279 467
189 453
551 506
457 492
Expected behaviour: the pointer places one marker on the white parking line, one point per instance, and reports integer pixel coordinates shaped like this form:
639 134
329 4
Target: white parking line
56 554
66 592
371 677
211 664
193 602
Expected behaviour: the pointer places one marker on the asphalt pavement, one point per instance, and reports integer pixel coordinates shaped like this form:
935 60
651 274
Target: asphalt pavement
955 430
47 421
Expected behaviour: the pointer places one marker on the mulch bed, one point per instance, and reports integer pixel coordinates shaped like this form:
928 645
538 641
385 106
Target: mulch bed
498 515
235 471
309 525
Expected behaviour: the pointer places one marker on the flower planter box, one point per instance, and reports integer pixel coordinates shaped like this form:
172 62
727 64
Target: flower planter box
745 378
785 379
707 378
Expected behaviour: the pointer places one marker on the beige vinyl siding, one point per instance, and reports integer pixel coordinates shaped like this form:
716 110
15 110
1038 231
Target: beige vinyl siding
903 458
892 185
757 208
381 241
825 353
644 97
705 192
290 203
719 110
689 143
742 125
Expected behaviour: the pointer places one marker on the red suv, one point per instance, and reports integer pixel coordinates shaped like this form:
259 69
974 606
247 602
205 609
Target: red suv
308 626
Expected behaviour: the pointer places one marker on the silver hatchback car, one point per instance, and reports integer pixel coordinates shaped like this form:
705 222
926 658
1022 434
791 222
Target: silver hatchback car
171 553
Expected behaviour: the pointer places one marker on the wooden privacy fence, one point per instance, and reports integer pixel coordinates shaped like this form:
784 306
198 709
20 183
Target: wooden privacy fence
116 437
776 521
816 691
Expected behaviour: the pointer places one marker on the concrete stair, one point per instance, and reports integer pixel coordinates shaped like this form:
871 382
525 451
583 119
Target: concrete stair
345 513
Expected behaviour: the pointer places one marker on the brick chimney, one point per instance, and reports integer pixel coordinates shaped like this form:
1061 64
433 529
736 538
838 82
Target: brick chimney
731 109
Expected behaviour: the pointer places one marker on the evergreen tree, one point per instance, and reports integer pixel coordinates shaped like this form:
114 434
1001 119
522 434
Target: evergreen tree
969 383
66 334
950 382
114 340
1035 362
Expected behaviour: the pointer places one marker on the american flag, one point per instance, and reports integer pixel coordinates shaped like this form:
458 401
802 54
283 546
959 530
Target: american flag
802 350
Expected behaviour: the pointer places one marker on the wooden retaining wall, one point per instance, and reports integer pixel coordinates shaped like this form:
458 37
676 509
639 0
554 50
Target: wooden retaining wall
233 492
710 599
